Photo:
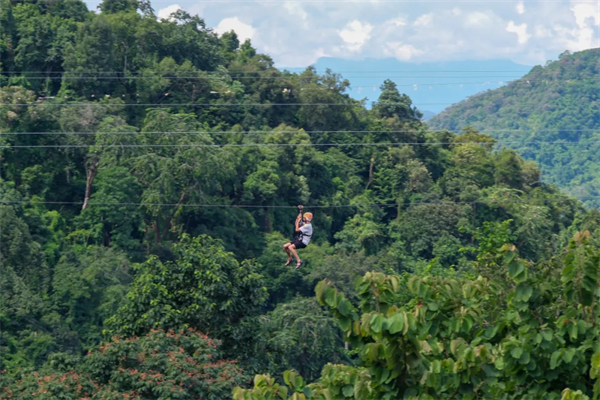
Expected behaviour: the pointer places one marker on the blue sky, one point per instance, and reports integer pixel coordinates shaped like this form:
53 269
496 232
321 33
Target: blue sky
298 32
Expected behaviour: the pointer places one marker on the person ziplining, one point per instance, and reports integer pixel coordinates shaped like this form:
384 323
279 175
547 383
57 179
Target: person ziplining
304 231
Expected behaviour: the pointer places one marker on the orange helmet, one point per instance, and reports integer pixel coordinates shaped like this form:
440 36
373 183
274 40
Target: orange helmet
308 216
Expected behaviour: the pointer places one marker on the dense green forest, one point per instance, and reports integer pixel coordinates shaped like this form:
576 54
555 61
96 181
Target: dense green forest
150 173
551 115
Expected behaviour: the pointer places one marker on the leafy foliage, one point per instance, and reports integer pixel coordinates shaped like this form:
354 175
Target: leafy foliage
518 336
160 364
127 220
203 287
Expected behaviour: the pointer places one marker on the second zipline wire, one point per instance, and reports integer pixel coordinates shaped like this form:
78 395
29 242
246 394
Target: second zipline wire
383 205
288 131
80 146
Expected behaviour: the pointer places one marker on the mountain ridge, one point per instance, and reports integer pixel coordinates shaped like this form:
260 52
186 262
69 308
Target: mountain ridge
550 115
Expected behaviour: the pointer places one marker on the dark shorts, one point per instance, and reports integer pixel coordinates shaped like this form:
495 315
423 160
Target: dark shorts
298 243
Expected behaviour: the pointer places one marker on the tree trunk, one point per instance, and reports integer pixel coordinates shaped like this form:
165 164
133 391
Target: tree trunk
89 182
156 230
267 220
170 218
371 172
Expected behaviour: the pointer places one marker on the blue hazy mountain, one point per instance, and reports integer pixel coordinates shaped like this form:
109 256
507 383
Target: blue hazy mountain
431 86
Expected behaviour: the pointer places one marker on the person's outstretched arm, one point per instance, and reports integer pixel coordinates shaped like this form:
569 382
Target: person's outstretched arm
299 219
298 222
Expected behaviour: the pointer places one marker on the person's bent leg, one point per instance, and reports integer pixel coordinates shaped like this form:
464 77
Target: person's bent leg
292 248
286 247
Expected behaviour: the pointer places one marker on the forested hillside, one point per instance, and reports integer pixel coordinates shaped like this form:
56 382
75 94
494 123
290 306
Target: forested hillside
150 174
551 115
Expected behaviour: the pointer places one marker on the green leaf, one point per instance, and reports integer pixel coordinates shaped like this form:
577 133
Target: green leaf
344 307
454 345
412 323
433 306
525 358
330 296
385 374
468 323
523 292
283 391
286 378
319 290
547 334
348 391
572 331
582 326
515 268
377 323
374 351
406 326
345 323
395 323
555 359
307 392
516 352
596 360
569 354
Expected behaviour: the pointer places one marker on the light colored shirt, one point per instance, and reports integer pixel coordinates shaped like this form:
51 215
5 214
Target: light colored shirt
307 231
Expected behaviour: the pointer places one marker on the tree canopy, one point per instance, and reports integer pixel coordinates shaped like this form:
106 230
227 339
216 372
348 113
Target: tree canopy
150 174
550 115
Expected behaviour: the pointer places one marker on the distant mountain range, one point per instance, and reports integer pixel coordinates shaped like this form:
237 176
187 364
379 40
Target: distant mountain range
551 115
431 86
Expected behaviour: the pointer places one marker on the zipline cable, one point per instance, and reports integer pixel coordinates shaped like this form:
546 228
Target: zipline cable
383 205
292 131
78 146
277 70
260 77
353 103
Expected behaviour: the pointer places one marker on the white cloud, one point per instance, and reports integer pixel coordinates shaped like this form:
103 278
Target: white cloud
521 31
424 20
403 52
243 31
295 34
477 19
397 21
165 13
355 35
295 9
542 32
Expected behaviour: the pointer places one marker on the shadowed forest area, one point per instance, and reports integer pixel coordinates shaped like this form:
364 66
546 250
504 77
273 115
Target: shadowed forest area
150 173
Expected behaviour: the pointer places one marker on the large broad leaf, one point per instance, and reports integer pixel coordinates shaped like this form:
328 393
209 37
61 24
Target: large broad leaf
516 352
515 268
282 391
568 355
344 307
348 391
377 323
320 290
555 359
330 296
572 331
345 323
547 334
395 323
523 292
